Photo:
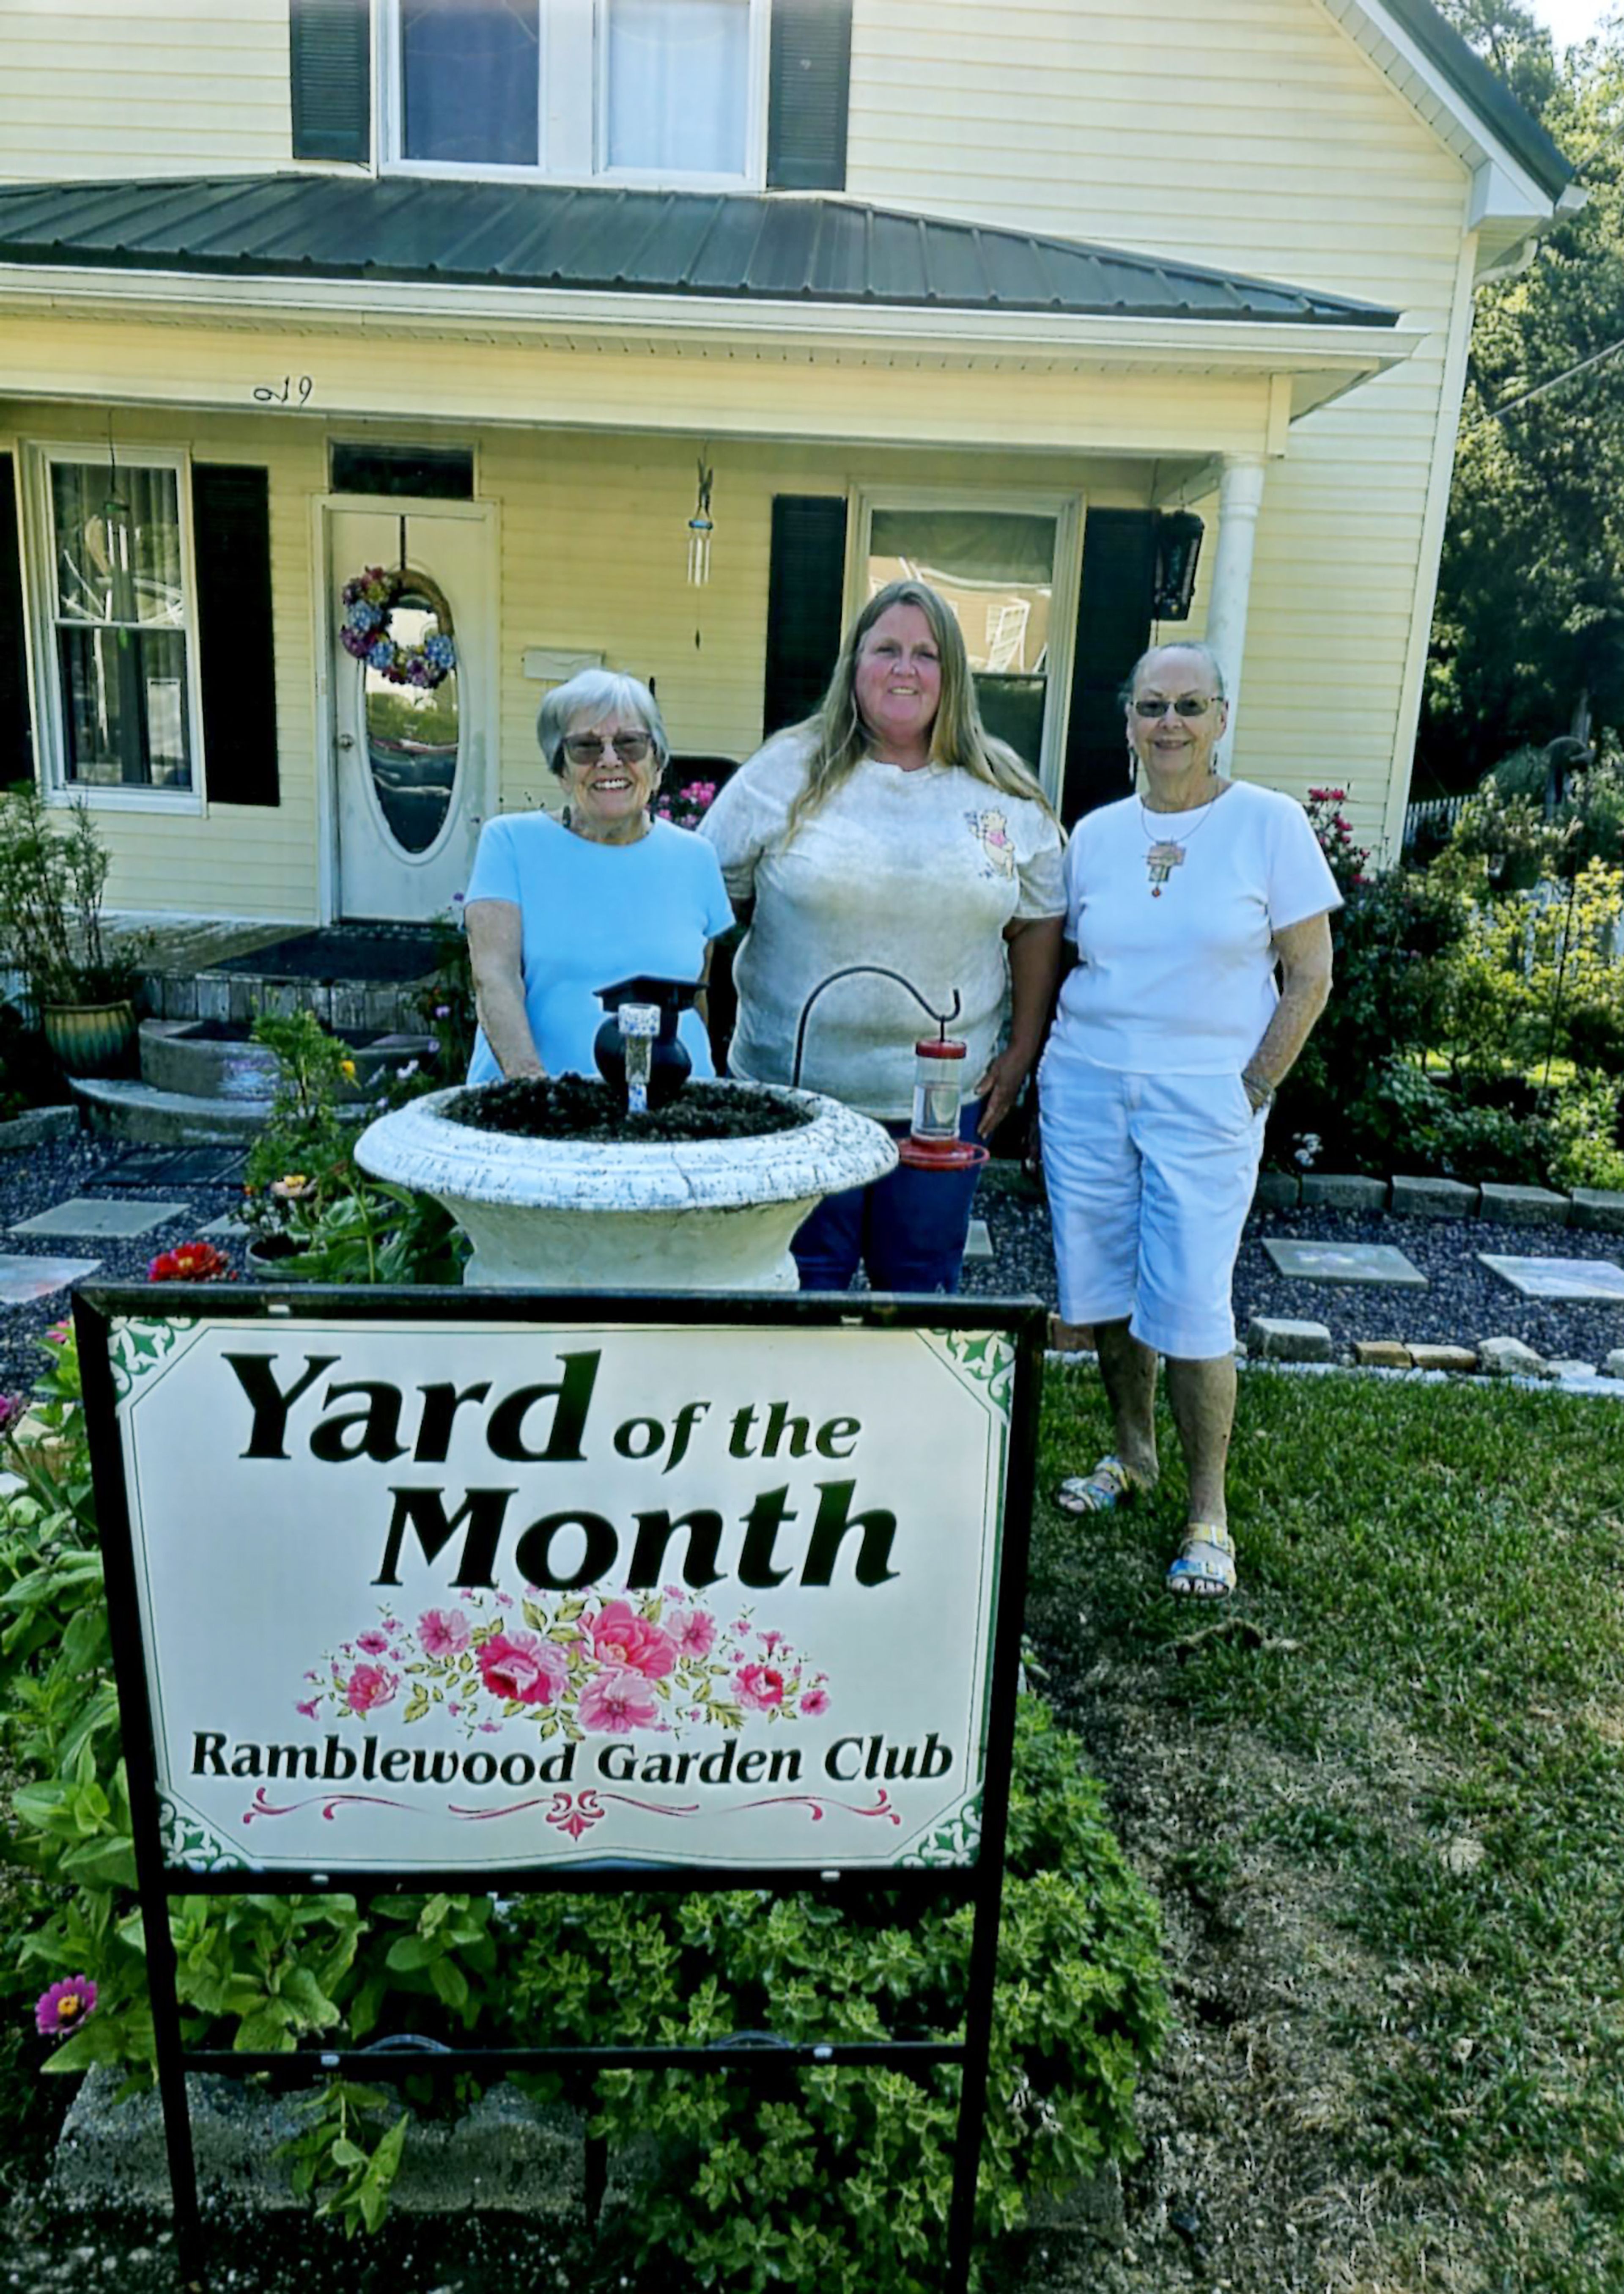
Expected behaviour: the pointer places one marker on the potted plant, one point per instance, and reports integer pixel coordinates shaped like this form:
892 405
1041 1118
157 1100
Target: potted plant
52 885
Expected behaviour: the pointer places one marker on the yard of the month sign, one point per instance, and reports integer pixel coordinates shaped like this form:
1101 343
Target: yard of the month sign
476 1591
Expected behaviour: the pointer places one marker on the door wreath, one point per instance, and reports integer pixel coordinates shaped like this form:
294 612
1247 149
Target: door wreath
370 601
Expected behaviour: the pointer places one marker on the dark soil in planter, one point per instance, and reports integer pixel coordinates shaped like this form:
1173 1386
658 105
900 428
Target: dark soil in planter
569 1107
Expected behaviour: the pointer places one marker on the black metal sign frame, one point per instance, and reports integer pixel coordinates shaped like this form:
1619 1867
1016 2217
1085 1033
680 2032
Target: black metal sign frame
980 1883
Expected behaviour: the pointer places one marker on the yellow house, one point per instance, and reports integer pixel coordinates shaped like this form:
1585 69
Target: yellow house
1014 292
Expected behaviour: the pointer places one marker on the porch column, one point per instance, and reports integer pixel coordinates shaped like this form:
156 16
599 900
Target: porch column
1241 496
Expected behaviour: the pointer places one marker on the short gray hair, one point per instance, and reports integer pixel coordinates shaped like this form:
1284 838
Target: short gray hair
1204 654
596 693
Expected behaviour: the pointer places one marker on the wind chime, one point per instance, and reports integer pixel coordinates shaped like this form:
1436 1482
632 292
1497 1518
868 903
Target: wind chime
700 527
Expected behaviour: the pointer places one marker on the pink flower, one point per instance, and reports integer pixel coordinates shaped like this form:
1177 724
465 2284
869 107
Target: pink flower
617 1703
368 1686
376 1644
759 1688
64 2006
815 1701
696 1633
309 1710
522 1667
443 1632
622 1640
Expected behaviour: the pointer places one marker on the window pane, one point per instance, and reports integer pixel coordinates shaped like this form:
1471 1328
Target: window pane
471 73
411 733
118 543
123 707
996 568
679 86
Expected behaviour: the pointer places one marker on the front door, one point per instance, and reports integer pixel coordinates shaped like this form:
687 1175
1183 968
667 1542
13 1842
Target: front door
410 761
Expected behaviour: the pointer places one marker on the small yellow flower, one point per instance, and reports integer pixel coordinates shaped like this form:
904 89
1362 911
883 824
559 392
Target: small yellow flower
347 1068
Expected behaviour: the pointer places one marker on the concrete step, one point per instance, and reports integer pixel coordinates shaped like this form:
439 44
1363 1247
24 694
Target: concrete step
186 1056
120 1109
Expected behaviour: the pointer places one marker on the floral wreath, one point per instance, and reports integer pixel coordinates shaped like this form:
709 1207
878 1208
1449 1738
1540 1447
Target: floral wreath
369 599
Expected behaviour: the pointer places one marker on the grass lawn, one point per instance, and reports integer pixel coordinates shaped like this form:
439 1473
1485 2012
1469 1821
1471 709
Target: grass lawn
1382 1802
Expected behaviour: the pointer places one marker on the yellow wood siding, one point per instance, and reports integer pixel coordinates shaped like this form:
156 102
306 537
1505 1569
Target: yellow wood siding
143 87
1250 134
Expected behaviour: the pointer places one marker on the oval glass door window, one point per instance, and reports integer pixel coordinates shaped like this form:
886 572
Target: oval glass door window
411 732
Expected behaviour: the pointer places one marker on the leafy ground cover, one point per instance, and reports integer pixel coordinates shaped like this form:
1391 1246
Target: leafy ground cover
1382 1804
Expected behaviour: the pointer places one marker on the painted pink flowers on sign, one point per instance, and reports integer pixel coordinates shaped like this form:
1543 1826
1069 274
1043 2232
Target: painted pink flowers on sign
369 1686
443 1632
570 1667
620 1636
523 1668
614 1704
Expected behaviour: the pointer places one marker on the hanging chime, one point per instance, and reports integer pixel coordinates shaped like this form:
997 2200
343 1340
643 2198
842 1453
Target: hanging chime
699 529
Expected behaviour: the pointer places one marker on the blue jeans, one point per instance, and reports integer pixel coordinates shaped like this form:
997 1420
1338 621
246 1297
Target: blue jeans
909 1229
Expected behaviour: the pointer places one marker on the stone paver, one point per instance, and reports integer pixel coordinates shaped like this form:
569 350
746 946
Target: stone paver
1461 1358
1565 1369
1344 1262
1522 1206
1275 1339
24 1279
36 1126
1449 1199
1581 1279
980 1242
1598 1209
1614 1364
1510 1358
234 1229
1333 1190
86 1214
1276 1191
1381 1353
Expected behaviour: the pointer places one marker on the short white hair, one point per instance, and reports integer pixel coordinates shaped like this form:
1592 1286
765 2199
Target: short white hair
1204 654
596 693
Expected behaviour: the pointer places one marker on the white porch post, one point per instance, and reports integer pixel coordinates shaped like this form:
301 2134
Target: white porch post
1240 495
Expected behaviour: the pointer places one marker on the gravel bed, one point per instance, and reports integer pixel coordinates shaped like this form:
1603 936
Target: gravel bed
1463 1303
34 1180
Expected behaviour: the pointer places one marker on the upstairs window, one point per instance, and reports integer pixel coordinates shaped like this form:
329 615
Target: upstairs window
658 91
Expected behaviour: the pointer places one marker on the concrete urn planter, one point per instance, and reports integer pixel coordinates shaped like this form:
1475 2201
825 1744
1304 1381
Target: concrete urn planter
693 1215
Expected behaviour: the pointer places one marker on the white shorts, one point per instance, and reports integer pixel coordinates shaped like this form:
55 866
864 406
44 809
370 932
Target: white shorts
1151 1178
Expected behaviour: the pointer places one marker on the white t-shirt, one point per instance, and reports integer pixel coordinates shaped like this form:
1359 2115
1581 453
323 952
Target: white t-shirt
917 871
1174 972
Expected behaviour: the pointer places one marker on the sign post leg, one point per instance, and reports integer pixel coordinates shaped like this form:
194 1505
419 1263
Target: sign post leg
172 2088
972 2092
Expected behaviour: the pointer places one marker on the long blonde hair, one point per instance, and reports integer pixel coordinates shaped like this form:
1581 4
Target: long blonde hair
837 740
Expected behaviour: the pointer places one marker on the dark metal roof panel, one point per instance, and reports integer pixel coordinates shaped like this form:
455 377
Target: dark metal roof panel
814 251
1487 94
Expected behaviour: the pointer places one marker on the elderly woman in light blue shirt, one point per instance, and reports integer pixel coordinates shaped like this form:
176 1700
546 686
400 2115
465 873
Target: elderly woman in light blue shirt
558 908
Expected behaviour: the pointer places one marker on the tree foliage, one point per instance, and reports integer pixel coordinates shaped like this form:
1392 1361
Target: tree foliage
1529 636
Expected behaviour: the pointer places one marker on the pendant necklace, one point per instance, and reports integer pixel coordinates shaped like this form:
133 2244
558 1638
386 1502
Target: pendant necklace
1164 854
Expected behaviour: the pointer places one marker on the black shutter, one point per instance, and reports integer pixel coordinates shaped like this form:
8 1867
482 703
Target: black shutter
1113 630
804 598
809 91
16 734
236 649
331 64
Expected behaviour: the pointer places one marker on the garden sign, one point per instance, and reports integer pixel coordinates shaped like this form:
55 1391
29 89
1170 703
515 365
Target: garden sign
477 1591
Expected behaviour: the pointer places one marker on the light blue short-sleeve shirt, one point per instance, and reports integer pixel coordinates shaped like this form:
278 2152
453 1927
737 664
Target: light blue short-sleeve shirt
593 913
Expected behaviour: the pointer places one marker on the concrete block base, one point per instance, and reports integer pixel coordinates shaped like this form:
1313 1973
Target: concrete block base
1333 1190
1522 1206
1270 1338
1448 1198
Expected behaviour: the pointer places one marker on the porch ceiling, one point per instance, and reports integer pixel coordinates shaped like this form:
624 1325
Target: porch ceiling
802 250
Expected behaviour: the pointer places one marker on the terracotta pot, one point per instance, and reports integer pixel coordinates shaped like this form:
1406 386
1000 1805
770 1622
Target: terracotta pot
91 1040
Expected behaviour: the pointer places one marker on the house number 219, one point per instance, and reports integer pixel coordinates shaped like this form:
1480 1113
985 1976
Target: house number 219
295 389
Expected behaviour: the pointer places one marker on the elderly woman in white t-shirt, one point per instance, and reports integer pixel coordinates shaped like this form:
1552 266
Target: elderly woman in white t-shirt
890 829
1168 1045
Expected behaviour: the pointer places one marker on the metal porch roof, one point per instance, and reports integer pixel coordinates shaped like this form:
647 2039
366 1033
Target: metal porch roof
803 249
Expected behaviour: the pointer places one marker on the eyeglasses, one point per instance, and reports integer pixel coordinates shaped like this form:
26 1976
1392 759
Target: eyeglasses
1189 704
586 748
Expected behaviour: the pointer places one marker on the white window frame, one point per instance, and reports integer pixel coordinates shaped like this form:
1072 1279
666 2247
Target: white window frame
40 536
1067 510
571 130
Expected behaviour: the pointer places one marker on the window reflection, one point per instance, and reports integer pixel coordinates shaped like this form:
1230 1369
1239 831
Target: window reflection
120 625
996 568
413 734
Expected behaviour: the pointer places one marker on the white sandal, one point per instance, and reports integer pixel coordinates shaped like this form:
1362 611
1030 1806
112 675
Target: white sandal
1109 1485
1205 1568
